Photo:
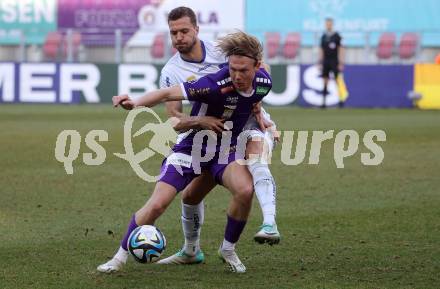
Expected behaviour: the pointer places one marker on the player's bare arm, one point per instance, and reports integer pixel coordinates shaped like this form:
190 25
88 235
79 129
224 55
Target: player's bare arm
185 122
150 99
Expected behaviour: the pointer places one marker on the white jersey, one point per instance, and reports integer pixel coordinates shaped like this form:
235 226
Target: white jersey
178 70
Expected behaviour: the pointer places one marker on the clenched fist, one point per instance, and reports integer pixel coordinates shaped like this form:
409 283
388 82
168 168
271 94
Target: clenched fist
123 100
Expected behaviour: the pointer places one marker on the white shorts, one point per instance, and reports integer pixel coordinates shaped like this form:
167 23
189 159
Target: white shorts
267 136
252 129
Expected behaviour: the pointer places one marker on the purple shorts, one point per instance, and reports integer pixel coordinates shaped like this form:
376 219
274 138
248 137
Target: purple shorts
178 168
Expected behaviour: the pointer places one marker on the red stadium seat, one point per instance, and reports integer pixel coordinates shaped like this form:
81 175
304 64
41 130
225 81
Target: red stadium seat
291 45
50 51
408 45
272 44
158 47
54 37
385 48
51 46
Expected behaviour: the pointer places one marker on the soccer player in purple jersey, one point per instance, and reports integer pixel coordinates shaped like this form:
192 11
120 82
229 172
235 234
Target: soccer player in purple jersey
230 94
196 58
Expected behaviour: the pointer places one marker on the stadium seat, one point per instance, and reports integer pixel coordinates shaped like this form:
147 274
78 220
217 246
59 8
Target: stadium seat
158 46
50 51
51 46
385 48
408 45
272 44
291 45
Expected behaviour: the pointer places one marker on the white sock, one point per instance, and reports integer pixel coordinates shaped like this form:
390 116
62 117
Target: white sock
192 221
121 255
265 190
227 246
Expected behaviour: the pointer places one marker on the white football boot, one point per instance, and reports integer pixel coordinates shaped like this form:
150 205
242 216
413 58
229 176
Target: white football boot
231 259
111 266
181 258
268 234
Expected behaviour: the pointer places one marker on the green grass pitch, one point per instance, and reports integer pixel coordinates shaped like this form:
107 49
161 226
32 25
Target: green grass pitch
357 227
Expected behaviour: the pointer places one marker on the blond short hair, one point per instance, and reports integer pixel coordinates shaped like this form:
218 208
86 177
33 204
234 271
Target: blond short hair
240 43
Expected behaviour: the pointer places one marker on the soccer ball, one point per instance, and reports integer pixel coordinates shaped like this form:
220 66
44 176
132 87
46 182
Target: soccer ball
146 244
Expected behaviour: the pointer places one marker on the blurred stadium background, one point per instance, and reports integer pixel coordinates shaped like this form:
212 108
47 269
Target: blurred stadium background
390 47
357 227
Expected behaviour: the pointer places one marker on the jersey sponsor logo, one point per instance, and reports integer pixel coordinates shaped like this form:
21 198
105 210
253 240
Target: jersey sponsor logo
179 159
228 111
232 99
204 67
262 90
199 91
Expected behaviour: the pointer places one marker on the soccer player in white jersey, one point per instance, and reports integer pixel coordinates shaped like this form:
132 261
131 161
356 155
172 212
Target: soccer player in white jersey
196 58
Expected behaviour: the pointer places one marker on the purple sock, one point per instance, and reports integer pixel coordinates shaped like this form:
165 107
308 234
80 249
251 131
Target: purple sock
131 226
233 229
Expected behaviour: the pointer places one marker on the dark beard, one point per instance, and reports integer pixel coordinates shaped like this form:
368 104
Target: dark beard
187 49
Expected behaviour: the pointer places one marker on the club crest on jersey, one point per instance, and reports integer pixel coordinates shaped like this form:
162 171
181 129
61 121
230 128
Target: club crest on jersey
191 79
